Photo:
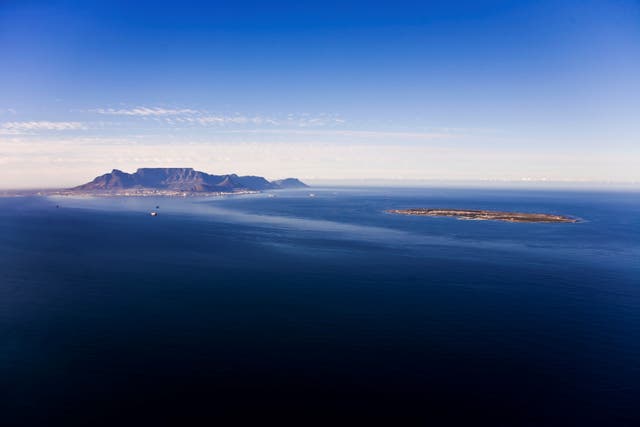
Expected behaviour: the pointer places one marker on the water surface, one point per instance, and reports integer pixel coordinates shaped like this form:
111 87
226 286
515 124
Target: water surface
323 306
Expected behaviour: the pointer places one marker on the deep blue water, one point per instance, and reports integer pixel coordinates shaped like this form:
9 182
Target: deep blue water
320 308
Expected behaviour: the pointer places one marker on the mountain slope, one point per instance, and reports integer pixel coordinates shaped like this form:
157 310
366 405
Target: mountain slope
289 183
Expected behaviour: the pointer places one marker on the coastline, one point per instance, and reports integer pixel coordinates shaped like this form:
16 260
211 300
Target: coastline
125 193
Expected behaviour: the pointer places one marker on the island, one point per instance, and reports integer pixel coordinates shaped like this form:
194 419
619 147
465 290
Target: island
484 215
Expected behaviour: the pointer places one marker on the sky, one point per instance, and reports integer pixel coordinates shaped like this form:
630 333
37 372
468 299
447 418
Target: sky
486 91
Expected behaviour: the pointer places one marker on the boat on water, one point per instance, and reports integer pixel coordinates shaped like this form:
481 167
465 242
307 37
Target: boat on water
154 213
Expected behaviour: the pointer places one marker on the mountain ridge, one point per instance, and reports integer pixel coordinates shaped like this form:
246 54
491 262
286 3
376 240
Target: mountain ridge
184 179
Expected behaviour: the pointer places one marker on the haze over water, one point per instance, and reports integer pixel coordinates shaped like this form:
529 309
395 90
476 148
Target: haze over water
319 306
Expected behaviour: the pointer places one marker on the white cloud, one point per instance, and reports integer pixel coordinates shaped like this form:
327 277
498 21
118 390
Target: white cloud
352 133
146 111
4 131
189 116
289 120
10 128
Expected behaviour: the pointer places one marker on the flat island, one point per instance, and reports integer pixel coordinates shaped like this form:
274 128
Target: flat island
482 215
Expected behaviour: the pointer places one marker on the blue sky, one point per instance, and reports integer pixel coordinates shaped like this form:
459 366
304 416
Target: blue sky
477 90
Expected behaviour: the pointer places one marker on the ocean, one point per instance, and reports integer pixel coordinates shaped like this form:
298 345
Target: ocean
320 309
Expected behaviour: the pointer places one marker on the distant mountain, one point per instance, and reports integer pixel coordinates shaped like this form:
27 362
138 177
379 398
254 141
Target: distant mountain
289 183
183 179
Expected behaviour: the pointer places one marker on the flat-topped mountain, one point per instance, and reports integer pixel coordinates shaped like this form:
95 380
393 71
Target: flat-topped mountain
184 180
